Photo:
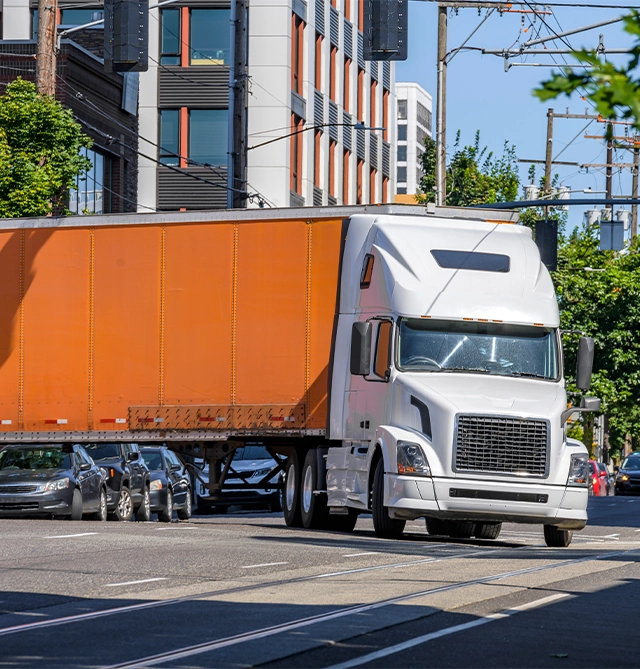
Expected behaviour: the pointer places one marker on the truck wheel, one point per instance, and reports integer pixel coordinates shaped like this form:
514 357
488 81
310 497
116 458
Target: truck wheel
557 538
437 527
383 525
143 512
124 507
487 530
292 515
313 508
76 505
340 522
460 529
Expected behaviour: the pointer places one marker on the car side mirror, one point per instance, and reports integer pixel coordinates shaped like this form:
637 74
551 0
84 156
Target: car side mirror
175 468
360 349
584 366
85 466
133 456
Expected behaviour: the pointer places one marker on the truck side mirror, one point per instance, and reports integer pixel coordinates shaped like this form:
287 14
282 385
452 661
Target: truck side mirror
360 349
590 404
585 363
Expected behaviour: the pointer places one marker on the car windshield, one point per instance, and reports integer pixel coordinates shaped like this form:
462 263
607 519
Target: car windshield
102 451
153 460
485 348
632 463
252 453
34 458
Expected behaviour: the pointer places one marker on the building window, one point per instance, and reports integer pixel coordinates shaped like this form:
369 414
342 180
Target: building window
297 46
88 195
346 84
424 116
345 177
78 17
209 37
402 154
170 37
402 110
402 133
318 62
401 190
421 135
296 154
208 136
402 175
169 151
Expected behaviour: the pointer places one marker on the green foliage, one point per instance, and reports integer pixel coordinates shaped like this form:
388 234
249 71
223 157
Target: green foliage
605 304
613 90
474 174
531 215
39 152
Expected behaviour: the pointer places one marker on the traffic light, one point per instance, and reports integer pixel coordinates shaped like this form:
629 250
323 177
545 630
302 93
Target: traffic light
385 29
126 35
547 242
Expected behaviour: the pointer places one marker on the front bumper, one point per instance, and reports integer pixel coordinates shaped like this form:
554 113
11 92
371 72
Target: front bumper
158 500
630 487
56 502
411 497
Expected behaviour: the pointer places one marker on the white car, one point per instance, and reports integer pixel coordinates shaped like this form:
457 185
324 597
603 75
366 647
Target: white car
251 464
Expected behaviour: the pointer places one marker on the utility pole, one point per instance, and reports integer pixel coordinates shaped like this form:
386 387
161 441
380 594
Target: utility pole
634 193
549 153
46 49
609 168
441 113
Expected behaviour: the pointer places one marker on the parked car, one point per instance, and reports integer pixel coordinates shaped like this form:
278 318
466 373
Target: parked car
628 476
127 477
59 480
251 464
607 480
170 484
595 486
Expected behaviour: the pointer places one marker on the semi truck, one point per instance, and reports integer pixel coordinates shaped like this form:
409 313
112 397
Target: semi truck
398 360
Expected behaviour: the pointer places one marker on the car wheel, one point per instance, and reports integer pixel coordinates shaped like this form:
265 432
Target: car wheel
101 514
185 512
124 507
383 525
487 530
143 512
167 513
275 505
557 538
292 515
76 505
460 529
437 527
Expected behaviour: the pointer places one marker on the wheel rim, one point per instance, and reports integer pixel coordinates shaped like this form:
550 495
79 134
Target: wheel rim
307 489
103 505
124 504
187 506
147 503
169 503
291 488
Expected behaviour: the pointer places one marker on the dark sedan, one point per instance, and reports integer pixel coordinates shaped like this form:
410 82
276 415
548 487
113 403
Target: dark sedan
628 476
58 480
170 483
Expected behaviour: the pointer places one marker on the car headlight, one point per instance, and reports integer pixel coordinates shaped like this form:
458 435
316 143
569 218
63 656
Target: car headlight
412 460
58 484
261 472
624 477
156 485
105 473
578 469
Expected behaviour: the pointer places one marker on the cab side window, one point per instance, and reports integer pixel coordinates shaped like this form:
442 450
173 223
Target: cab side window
382 357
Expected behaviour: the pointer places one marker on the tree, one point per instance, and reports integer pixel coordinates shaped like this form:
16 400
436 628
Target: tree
613 90
40 157
474 174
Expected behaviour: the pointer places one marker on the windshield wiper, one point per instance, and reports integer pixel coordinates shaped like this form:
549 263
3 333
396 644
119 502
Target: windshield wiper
480 370
530 375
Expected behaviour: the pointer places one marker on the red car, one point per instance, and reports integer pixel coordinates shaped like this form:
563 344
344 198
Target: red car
598 479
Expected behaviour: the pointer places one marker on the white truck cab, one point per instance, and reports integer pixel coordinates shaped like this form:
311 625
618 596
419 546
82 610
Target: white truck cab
447 394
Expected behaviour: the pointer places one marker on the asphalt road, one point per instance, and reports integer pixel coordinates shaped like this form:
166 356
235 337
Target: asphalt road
244 590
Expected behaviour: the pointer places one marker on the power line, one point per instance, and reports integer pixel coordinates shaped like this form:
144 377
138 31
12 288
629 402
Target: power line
474 4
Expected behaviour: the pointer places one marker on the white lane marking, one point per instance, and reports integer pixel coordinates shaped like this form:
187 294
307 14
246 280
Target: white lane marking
176 527
611 536
144 580
265 564
69 536
360 554
390 650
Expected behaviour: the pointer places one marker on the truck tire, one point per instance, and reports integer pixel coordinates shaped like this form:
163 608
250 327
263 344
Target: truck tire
460 529
384 526
557 538
341 522
292 515
487 530
313 508
437 527
143 512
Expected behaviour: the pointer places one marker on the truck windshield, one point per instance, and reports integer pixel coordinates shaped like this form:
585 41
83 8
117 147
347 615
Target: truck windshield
483 348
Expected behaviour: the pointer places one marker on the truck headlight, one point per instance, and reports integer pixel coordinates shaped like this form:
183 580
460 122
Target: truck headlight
58 484
412 460
578 470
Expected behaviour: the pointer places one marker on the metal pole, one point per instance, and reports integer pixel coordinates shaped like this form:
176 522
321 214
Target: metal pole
634 192
609 168
46 48
441 113
548 162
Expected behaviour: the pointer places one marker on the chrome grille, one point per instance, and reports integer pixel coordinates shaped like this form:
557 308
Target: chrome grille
504 445
17 489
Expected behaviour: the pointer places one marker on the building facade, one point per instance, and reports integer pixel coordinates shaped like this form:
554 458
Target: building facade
414 125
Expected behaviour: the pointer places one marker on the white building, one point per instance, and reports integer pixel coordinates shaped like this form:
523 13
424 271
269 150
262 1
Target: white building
414 123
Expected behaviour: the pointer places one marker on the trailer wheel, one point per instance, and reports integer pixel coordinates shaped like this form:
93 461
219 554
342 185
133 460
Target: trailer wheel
313 508
292 515
557 538
384 526
487 530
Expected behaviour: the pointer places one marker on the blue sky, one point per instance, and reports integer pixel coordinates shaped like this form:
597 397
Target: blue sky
482 96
